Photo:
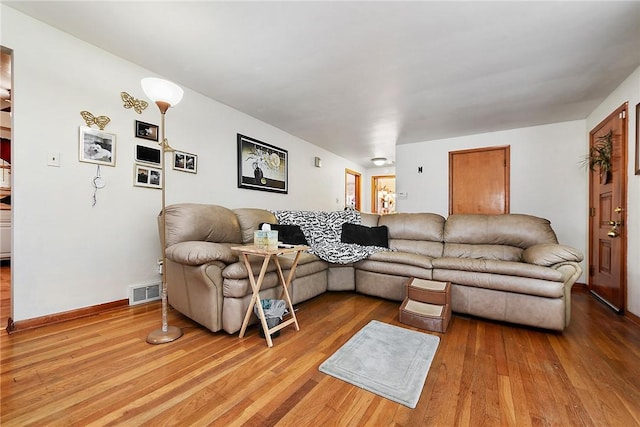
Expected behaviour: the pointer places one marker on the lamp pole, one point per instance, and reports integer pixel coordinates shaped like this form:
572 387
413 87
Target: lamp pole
166 333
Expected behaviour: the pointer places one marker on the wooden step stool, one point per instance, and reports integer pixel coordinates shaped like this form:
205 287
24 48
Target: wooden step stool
427 305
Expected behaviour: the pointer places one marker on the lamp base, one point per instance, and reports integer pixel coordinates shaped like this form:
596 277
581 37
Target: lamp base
160 337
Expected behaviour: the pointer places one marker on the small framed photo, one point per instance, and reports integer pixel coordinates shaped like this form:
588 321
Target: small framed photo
146 131
147 176
97 146
185 162
148 155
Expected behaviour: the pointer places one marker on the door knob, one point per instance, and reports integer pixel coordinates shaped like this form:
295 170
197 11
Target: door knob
613 233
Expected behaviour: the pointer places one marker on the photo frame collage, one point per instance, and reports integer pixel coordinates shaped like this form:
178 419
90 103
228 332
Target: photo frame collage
148 165
99 147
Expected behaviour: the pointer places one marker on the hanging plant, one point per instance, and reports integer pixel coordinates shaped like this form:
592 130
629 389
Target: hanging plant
599 157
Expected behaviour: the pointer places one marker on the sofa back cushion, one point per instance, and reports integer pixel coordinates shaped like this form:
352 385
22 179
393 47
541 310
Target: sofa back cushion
369 219
420 233
199 222
497 252
500 237
250 220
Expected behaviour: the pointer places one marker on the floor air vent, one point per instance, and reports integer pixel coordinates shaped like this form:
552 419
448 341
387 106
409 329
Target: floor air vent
144 293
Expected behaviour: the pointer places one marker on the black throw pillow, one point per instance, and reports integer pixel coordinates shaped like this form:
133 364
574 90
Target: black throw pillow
365 236
289 234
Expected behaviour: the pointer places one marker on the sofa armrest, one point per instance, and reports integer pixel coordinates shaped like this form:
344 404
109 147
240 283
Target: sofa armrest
198 253
549 254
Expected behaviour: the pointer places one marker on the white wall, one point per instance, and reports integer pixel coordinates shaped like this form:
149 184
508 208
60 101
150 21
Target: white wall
546 178
628 91
68 254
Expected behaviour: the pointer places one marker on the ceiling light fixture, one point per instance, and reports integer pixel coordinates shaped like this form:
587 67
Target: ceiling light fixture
379 161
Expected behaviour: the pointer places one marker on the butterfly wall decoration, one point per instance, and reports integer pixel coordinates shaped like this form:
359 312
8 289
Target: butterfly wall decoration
90 119
130 102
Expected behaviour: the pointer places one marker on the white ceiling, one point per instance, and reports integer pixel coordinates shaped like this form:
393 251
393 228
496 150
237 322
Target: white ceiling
357 78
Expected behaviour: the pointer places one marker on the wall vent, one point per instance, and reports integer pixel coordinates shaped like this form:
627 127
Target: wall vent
144 292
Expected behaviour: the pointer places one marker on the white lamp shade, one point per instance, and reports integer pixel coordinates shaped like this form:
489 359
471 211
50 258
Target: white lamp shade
379 161
162 90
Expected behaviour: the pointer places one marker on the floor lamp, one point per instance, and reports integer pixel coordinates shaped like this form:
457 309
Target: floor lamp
165 94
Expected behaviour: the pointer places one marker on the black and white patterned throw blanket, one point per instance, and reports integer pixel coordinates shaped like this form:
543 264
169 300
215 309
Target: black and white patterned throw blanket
323 230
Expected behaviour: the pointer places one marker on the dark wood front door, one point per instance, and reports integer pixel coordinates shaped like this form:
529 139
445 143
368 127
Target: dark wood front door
607 215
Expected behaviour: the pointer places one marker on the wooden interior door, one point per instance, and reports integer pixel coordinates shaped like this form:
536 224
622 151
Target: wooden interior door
352 189
479 181
607 215
383 194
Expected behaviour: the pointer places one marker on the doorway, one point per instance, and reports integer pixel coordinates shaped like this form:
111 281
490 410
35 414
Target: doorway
383 194
352 189
5 184
607 213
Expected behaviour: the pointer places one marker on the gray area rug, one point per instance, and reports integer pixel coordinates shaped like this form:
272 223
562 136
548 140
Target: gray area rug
387 360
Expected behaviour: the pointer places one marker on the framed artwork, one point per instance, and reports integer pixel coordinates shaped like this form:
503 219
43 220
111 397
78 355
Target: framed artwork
638 139
185 162
148 155
97 146
262 166
146 131
147 176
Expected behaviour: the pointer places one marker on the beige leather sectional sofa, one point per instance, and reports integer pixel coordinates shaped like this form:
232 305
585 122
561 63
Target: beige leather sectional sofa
501 267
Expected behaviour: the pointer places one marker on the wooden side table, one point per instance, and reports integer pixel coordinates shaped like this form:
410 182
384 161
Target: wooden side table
256 284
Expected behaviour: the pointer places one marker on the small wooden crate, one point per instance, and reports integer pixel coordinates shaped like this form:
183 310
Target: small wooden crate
431 317
429 291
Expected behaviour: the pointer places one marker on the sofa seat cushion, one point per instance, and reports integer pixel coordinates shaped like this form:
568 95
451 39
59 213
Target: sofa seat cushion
499 282
237 270
309 268
239 288
198 253
236 283
397 263
394 257
507 268
500 252
421 247
286 261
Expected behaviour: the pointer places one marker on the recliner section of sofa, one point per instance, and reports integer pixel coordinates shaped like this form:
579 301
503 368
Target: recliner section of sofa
502 267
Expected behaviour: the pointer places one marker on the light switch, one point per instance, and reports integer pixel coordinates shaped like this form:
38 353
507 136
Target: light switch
53 159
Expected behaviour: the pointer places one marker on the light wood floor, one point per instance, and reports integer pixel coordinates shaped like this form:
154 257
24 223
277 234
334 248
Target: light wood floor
100 371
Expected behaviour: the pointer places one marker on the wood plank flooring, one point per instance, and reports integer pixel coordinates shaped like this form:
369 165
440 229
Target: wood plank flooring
99 371
5 293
